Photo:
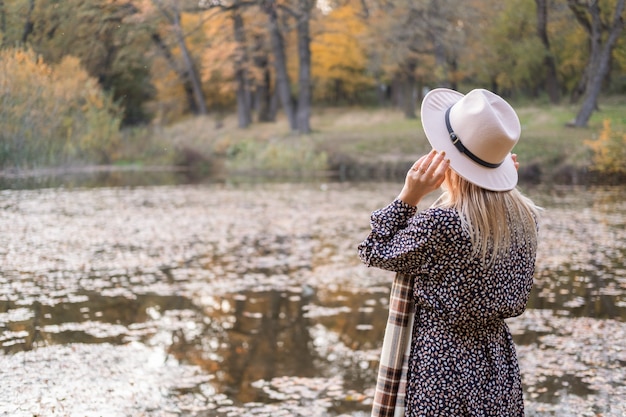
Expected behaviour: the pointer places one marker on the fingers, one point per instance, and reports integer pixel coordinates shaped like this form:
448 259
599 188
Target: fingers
427 163
430 169
426 175
421 164
437 164
440 171
515 162
432 164
424 162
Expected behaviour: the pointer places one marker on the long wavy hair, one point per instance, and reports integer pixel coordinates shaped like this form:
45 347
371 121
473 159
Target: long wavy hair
495 220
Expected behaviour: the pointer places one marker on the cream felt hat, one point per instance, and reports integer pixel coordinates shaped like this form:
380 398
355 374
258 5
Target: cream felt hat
477 131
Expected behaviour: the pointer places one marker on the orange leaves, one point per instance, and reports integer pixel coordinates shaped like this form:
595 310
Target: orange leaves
609 150
337 52
217 59
52 114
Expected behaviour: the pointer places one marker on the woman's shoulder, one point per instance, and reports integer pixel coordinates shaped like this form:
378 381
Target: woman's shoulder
442 224
441 218
440 213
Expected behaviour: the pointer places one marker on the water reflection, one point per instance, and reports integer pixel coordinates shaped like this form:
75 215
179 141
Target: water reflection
304 332
85 317
580 268
260 289
239 338
590 293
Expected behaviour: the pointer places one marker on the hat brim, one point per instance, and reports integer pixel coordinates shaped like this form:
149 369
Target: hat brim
434 106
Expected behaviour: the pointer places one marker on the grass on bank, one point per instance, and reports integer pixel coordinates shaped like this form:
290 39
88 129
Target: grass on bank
369 142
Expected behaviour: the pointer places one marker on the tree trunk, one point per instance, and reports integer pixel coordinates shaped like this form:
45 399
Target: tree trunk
264 98
381 89
395 92
408 98
304 71
551 82
337 91
419 90
191 71
274 103
454 67
3 23
263 88
441 64
280 63
244 114
28 26
439 49
581 14
599 59
495 87
182 75
579 90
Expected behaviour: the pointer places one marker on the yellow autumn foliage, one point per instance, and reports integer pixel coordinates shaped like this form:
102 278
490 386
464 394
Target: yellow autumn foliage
53 115
208 36
218 69
609 150
339 60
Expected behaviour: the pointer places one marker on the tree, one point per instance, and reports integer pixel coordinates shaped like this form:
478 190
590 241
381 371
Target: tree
28 25
398 44
3 22
264 102
241 58
339 60
252 64
53 114
551 81
602 36
15 21
102 35
283 85
244 111
298 111
223 59
504 52
415 42
303 18
187 70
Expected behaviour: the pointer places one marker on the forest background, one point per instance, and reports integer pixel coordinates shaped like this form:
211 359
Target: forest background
303 86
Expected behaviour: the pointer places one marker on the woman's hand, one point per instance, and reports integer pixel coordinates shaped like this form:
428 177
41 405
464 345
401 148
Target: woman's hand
425 176
514 157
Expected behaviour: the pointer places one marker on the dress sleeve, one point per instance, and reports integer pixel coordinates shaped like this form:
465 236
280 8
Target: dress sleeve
399 240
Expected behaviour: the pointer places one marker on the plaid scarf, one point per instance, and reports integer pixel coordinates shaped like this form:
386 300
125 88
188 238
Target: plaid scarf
393 368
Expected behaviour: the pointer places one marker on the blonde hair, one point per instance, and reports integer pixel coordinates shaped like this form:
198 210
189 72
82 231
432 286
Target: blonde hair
495 220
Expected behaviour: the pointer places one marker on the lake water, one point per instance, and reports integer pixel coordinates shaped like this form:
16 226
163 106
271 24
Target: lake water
249 300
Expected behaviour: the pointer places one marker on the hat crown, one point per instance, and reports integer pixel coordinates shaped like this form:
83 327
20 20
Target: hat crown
477 131
486 124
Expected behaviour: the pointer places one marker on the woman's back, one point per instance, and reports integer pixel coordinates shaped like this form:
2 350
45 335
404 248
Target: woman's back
458 286
495 220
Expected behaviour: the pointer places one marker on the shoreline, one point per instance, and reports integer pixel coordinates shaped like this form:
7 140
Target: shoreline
341 169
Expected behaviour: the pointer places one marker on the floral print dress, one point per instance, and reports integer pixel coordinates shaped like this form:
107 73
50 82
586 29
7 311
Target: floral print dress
463 360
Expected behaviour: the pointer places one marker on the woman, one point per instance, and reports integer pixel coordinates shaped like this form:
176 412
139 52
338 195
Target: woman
471 258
